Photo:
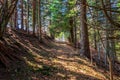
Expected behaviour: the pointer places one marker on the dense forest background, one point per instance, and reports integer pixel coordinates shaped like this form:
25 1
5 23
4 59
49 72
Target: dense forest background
89 27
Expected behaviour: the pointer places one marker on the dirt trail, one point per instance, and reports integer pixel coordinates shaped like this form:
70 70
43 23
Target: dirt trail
50 61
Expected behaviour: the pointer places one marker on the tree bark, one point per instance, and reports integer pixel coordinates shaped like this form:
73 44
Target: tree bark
71 30
33 15
28 16
6 13
39 20
22 24
84 31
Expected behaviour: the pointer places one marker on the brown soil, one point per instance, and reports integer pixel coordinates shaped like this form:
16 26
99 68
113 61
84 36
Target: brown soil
48 60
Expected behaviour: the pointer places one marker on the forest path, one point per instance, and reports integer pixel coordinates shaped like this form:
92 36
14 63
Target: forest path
49 61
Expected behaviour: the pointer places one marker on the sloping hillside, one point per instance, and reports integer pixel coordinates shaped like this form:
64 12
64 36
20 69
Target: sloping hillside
32 60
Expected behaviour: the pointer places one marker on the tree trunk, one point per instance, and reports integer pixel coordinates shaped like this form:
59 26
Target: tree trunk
39 20
84 31
75 33
22 24
28 16
71 30
15 19
110 68
33 15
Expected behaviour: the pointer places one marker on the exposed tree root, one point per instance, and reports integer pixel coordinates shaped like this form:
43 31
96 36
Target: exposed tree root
7 55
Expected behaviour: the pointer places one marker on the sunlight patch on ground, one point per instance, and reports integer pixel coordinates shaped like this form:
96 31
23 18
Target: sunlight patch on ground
71 64
82 60
68 65
35 78
34 65
60 74
59 50
78 68
65 58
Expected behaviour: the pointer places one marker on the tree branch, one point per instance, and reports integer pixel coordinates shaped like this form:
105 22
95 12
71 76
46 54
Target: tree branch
108 17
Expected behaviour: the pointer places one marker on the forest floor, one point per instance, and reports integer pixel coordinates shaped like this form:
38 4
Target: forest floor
47 61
